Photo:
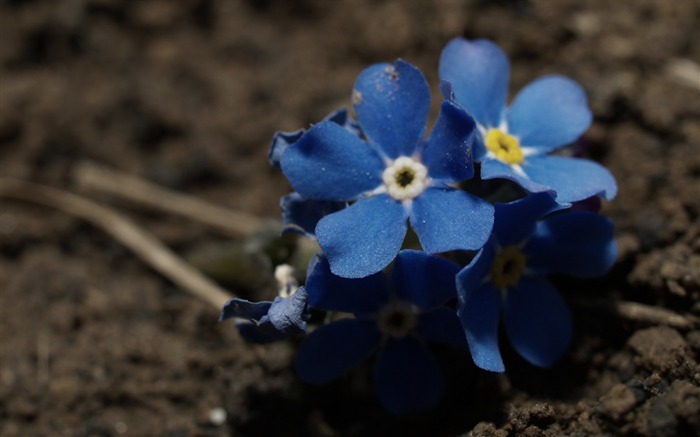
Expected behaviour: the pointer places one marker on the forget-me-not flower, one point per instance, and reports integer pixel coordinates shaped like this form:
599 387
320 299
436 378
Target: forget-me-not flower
391 175
393 319
516 142
507 279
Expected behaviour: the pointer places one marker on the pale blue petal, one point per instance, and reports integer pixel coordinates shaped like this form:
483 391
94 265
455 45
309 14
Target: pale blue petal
407 377
495 169
448 151
334 349
580 244
288 315
572 179
448 219
333 293
392 104
424 280
480 316
478 72
537 321
548 113
330 163
363 238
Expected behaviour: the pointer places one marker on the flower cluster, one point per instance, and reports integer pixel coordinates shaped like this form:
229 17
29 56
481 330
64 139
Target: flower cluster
362 184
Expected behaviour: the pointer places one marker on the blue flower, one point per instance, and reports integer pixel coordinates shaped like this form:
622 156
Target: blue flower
266 322
516 141
393 319
507 276
390 174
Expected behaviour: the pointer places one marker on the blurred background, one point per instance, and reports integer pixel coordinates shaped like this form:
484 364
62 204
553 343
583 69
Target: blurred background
188 94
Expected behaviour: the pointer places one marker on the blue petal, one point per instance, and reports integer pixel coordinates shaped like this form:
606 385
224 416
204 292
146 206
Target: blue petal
300 215
392 104
537 321
480 315
407 377
282 140
334 349
573 179
333 293
330 163
475 273
442 325
447 219
548 113
479 73
424 280
363 238
448 151
279 144
580 244
288 315
516 220
495 169
244 309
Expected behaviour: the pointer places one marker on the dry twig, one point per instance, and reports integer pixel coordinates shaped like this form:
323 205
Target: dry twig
643 313
125 186
144 244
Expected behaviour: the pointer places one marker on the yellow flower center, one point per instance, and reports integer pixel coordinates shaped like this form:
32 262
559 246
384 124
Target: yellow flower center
397 319
505 147
507 267
405 178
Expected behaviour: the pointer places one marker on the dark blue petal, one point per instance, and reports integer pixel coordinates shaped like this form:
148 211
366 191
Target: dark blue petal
330 163
332 350
280 142
442 325
407 377
579 244
476 272
343 119
479 73
448 151
363 238
480 315
333 293
244 309
573 179
392 104
516 220
288 315
548 113
424 280
300 215
495 169
448 219
537 321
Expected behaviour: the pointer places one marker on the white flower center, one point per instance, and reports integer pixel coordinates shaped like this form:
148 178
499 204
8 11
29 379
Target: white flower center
405 178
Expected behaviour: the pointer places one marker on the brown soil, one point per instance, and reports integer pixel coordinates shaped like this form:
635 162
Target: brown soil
187 94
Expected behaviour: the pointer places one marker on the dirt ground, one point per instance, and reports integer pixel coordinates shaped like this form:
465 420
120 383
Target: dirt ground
187 94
